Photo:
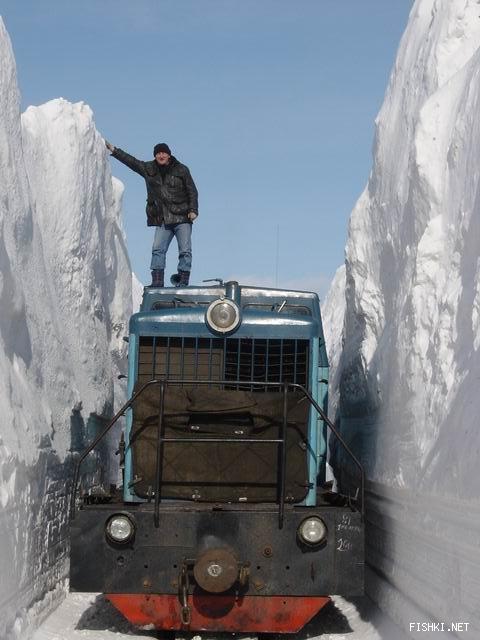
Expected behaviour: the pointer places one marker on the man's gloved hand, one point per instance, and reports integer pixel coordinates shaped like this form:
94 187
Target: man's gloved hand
192 215
109 146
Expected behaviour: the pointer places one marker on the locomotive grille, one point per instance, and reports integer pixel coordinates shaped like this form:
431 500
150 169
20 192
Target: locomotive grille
235 359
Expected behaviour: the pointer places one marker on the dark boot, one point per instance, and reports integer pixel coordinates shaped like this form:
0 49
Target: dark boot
184 278
180 279
157 278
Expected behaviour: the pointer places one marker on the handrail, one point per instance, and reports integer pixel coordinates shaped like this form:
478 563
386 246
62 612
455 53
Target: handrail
163 382
100 437
159 460
336 433
283 459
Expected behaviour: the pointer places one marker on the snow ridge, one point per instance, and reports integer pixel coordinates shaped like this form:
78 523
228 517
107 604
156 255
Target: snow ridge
408 373
65 297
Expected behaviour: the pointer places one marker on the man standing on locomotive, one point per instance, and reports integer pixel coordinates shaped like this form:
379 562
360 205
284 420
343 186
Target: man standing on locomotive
172 206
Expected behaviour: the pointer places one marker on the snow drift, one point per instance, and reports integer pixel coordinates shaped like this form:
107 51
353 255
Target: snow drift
65 296
408 374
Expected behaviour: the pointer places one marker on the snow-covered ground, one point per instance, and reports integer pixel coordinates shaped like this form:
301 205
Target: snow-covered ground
65 296
407 364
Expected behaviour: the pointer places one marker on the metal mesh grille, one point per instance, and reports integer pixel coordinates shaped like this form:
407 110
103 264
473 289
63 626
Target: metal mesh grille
232 359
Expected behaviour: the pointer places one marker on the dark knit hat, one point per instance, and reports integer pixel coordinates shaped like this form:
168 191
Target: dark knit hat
161 147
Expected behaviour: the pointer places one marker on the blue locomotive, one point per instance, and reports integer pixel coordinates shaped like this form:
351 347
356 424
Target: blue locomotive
223 521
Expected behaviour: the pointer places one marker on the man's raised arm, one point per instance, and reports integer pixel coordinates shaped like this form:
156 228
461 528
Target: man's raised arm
130 161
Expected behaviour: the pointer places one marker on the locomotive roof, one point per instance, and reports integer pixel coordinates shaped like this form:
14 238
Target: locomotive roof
267 313
251 296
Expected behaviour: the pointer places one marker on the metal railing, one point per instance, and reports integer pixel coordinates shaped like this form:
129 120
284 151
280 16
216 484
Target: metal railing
161 439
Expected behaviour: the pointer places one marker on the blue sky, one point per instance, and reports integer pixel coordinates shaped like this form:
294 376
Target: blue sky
271 104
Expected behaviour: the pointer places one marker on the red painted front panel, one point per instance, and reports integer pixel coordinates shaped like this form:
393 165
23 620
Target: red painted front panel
272 614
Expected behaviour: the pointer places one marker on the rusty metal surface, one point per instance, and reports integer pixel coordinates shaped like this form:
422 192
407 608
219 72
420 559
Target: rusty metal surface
278 563
274 614
216 570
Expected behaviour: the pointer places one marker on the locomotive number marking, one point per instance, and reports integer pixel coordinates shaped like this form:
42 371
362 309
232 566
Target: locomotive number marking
346 524
344 545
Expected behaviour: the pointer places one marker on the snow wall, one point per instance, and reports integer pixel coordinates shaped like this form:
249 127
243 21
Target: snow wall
65 297
407 364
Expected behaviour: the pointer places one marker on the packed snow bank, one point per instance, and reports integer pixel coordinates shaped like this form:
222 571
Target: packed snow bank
65 296
137 293
409 370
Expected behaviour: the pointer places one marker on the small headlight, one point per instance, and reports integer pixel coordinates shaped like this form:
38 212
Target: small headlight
120 529
223 315
312 531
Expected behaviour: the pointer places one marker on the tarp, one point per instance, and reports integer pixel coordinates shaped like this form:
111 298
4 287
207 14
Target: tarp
219 472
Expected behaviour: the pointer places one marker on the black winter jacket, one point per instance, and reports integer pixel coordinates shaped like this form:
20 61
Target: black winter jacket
169 197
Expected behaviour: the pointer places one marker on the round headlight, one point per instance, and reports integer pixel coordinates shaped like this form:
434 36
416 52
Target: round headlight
120 529
312 531
223 315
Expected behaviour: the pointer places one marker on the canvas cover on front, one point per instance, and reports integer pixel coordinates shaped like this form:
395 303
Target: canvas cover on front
219 472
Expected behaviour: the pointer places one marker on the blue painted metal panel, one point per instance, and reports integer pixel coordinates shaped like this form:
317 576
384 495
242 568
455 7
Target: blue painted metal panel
323 357
322 386
313 434
188 322
249 295
133 341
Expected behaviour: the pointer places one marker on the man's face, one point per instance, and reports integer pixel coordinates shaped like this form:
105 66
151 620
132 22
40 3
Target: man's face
162 158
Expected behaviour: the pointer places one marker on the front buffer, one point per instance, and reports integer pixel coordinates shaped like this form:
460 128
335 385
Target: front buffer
226 568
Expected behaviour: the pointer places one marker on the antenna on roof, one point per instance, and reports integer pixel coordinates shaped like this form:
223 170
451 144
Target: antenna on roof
276 255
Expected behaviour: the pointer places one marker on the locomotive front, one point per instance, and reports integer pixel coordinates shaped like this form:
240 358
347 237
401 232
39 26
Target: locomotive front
222 524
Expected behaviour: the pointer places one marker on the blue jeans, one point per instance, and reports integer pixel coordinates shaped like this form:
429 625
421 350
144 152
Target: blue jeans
163 237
